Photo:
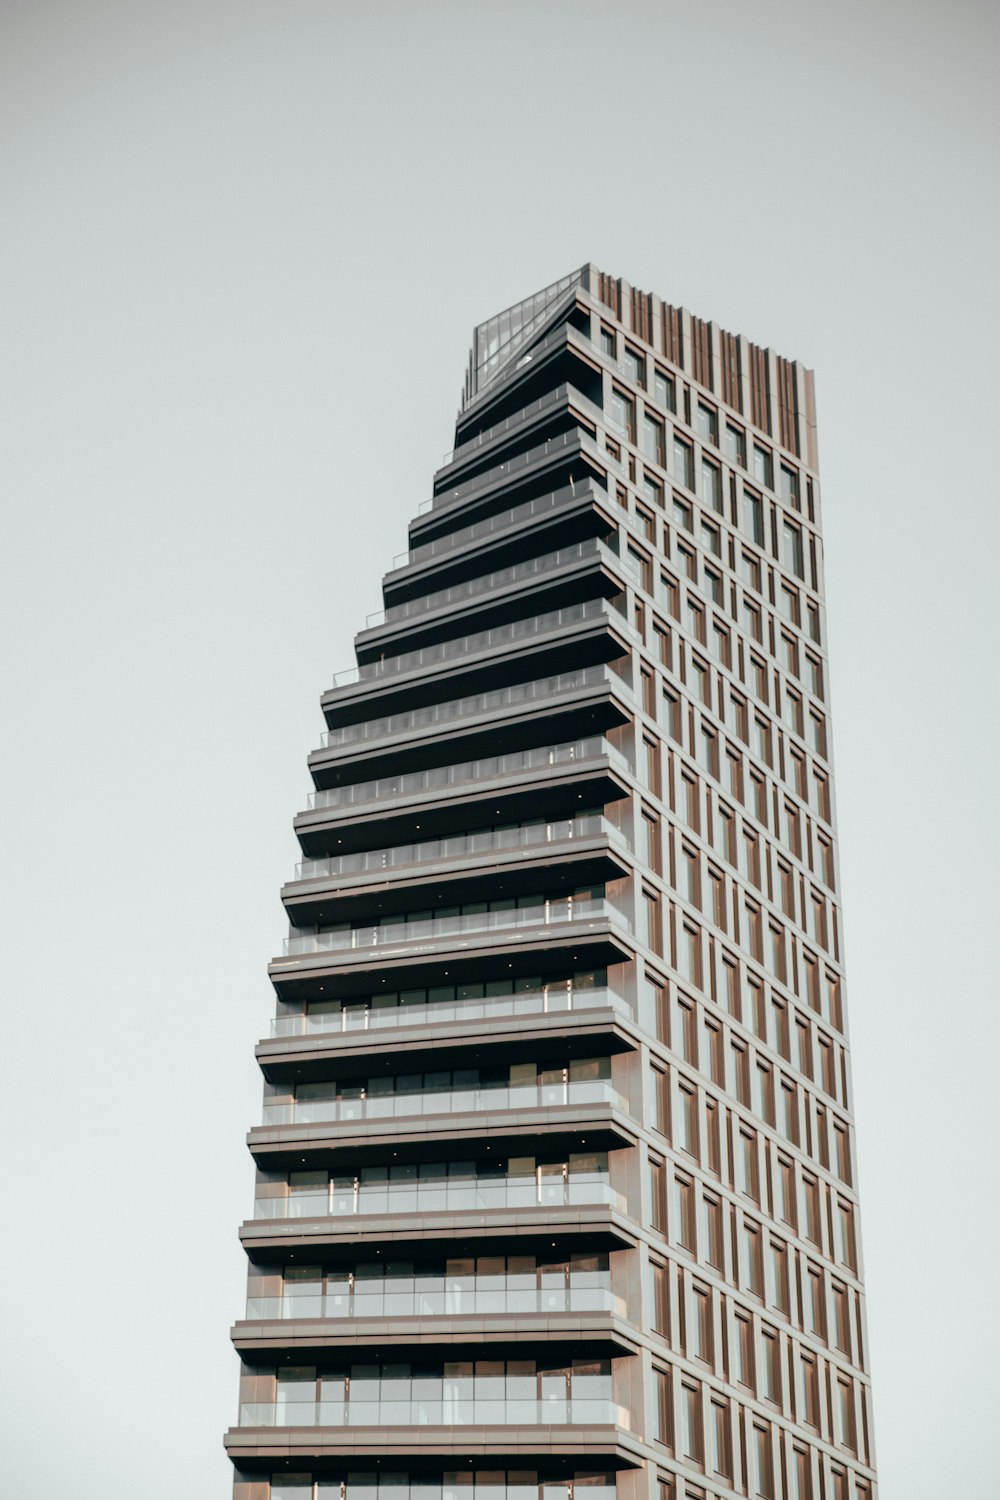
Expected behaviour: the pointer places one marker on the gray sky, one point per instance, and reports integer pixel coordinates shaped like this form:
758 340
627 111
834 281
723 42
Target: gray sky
244 247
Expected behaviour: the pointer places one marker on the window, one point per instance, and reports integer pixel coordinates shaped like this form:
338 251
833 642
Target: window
664 390
712 1235
753 517
713 586
779 1276
647 521
763 1463
652 489
744 1352
711 485
664 1413
751 620
788 487
691 1442
791 548
701 1326
707 424
661 1301
770 1366
844 1412
700 681
763 467
657 1194
670 713
750 571
635 366
683 463
719 1452
753 1268
683 1206
687 1120
710 539
809 1389
746 1164
735 445
607 342
688 881
621 414
653 440
788 603
683 515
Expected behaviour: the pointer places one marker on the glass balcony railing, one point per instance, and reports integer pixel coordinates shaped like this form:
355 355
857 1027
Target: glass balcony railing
438 1296
540 689
467 772
489 583
353 1016
425 1411
444 1102
500 635
442 1195
486 841
433 929
549 401
466 1484
478 530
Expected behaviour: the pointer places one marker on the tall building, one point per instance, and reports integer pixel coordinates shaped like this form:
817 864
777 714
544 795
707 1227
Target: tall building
555 1181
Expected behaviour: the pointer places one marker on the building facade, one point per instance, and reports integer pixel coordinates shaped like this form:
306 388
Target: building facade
555 1180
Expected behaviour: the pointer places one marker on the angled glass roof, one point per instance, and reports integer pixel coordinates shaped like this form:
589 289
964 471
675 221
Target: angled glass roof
496 341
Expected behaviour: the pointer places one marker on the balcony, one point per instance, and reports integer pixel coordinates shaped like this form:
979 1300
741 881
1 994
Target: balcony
487 841
441 1296
446 1411
435 929
436 1192
438 1102
572 509
417 617
578 636
349 1018
464 645
565 705
467 773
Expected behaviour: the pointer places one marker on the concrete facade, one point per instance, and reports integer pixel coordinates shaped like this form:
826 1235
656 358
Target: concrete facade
555 1177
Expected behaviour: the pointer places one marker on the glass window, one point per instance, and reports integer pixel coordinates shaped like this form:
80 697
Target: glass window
763 467
710 539
711 485
683 463
652 489
707 424
653 439
635 366
664 390
682 513
791 548
621 413
735 445
788 487
607 341
753 517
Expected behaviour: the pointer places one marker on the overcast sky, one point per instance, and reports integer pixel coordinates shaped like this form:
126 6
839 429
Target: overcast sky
244 247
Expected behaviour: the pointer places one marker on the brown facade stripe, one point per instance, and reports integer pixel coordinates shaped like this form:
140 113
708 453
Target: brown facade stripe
642 318
760 396
609 291
701 353
732 392
788 417
673 334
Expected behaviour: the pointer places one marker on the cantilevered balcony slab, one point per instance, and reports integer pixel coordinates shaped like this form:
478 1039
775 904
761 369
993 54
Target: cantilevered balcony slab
604 1446
571 504
450 1044
555 1128
583 943
579 636
375 815
560 864
551 711
589 1335
585 1224
568 575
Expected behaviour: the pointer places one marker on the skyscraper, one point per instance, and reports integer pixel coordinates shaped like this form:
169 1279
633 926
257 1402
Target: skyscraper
555 1181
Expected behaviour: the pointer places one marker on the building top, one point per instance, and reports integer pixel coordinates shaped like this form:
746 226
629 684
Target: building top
774 393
